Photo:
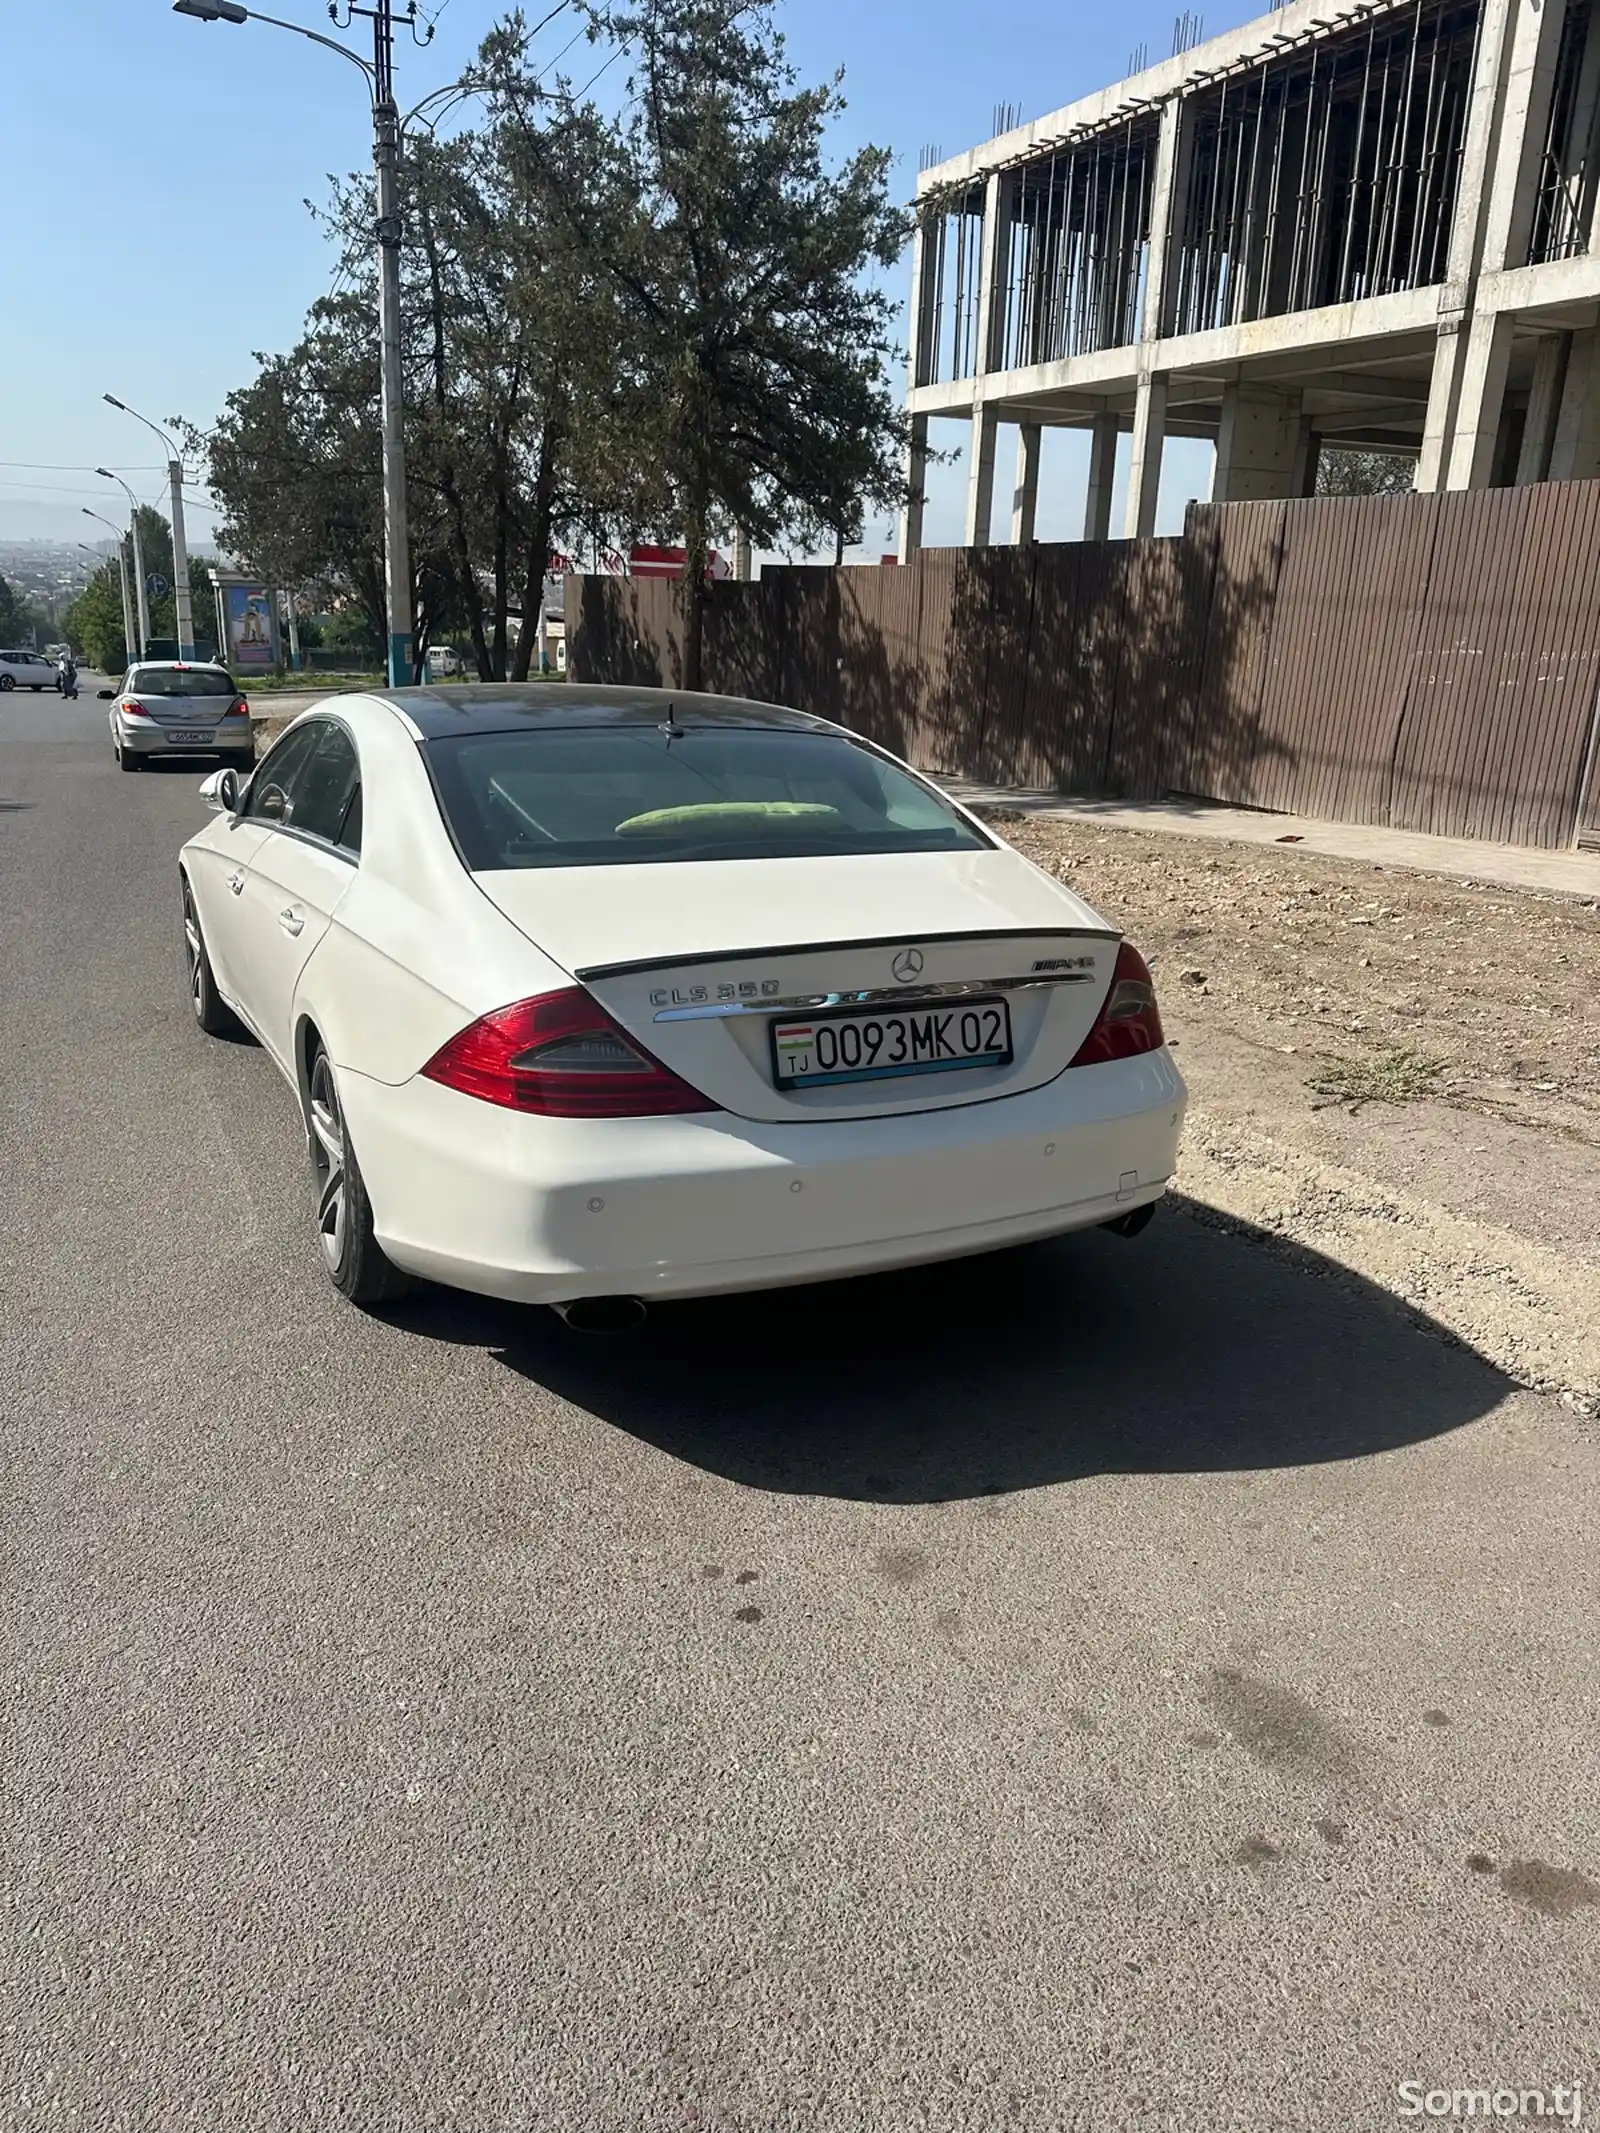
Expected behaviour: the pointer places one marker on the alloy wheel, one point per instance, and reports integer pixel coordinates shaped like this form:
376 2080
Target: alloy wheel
328 1162
194 950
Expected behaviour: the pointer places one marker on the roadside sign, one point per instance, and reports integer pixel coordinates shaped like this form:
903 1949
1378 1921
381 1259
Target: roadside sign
157 586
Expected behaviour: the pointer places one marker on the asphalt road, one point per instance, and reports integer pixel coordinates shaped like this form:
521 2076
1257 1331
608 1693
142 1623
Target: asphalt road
1111 1686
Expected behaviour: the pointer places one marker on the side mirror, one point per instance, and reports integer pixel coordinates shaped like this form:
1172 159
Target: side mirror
105 695
221 792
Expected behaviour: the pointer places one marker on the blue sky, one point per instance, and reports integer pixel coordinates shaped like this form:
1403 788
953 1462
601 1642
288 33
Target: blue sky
156 168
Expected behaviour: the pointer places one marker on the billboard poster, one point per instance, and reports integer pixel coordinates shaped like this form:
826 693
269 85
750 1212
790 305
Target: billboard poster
648 561
248 612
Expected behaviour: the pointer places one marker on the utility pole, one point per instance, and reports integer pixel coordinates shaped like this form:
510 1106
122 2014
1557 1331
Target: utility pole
141 591
396 533
387 131
180 545
126 566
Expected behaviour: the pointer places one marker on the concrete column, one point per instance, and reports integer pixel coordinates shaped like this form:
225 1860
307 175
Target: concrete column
1025 496
1544 405
1467 236
1166 194
1473 184
980 476
1513 176
1144 469
1258 445
1443 390
1476 429
916 485
1306 451
998 198
1102 471
921 313
1575 454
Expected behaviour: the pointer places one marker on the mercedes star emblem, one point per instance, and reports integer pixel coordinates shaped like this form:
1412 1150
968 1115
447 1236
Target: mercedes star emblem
907 965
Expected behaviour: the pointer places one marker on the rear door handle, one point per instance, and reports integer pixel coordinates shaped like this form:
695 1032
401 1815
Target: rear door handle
236 884
291 920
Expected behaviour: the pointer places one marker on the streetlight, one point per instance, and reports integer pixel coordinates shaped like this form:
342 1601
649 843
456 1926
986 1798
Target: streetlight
386 158
122 566
139 586
180 545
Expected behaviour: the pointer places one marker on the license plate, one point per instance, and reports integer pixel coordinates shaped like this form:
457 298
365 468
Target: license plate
874 1044
189 737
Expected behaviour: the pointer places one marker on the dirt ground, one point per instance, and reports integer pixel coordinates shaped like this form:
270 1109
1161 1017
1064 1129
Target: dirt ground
1496 992
1397 1071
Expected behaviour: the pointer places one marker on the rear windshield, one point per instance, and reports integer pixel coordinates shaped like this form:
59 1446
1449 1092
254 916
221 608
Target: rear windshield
622 795
169 681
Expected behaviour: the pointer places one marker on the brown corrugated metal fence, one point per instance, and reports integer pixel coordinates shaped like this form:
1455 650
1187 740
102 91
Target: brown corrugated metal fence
1426 662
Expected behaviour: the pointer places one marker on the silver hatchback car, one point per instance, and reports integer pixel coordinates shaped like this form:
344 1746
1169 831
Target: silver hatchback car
174 707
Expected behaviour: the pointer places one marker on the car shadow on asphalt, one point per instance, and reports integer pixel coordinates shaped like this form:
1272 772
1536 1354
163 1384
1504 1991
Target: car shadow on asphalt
194 766
1197 1347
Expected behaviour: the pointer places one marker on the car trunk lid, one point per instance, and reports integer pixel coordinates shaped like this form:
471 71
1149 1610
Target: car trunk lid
699 961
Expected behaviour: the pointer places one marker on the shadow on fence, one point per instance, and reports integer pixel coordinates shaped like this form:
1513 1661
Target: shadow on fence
1427 662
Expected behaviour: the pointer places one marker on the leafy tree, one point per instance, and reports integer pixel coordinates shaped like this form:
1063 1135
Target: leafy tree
94 621
16 616
755 382
296 461
350 631
507 354
1342 471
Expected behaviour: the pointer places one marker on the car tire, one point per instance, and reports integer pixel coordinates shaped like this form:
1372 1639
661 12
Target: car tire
127 760
211 1011
7 683
244 761
350 1251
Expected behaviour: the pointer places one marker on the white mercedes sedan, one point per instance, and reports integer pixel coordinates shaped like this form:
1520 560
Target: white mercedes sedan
593 996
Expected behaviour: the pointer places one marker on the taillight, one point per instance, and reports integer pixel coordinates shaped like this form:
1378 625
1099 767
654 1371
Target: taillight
562 1056
132 709
237 709
1130 1021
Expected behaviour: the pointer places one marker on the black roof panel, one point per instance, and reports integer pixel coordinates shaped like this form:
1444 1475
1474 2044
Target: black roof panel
504 706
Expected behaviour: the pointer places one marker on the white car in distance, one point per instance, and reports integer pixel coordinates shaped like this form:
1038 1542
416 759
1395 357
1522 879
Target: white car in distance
26 670
593 996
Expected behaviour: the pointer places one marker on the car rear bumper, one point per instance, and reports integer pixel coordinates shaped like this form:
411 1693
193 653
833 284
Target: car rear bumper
548 1210
147 737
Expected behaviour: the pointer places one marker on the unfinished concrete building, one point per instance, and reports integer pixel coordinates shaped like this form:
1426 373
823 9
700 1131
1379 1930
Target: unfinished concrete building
1353 222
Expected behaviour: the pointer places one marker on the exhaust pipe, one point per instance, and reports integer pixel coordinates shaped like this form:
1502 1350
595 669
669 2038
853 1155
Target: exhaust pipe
1130 1224
601 1314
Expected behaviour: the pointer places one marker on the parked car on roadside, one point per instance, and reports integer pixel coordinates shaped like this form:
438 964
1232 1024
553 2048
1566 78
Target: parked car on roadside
27 670
590 996
168 707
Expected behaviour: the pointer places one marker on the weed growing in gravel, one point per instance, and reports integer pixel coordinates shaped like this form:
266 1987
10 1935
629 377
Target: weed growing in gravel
1399 1074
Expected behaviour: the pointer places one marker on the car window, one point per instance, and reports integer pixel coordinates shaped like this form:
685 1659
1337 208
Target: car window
276 783
619 795
324 790
171 681
350 830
